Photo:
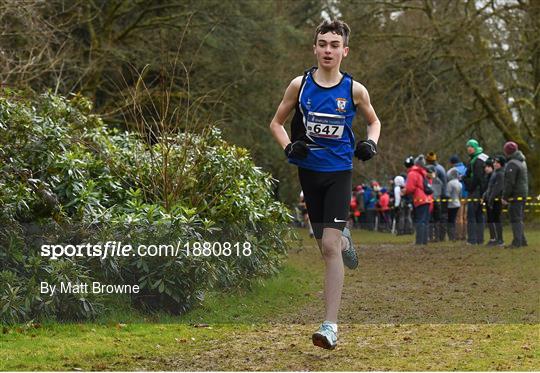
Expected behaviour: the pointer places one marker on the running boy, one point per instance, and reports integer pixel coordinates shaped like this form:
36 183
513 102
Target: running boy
322 146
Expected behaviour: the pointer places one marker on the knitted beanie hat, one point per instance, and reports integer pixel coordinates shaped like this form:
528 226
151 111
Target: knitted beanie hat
510 147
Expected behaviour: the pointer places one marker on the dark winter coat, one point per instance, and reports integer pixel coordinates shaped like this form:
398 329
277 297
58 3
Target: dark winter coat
495 186
475 180
515 176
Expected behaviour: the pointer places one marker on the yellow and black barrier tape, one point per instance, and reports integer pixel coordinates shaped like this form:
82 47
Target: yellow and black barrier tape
466 200
512 199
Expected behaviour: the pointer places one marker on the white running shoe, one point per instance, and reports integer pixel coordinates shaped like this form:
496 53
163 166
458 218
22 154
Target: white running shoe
325 337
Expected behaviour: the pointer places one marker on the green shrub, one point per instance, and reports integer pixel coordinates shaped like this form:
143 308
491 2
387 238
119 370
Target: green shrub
65 178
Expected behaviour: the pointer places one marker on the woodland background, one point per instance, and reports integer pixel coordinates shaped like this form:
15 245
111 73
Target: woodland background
438 72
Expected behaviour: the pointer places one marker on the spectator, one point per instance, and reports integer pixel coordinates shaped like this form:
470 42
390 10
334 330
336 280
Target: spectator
354 214
373 213
406 209
492 199
515 191
409 162
384 210
431 159
392 202
370 199
359 193
304 212
436 221
461 219
404 218
417 188
399 183
476 184
453 193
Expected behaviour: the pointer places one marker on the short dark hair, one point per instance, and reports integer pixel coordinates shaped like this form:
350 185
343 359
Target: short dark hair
336 26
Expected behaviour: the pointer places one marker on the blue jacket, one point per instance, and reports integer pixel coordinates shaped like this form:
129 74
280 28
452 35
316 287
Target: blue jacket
462 170
369 198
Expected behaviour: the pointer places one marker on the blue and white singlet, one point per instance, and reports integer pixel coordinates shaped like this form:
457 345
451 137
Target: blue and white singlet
323 119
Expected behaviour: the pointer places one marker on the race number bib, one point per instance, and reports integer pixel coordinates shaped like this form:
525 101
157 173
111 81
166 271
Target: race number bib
328 126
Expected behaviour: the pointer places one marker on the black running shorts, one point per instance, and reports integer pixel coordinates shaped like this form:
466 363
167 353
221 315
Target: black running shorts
327 196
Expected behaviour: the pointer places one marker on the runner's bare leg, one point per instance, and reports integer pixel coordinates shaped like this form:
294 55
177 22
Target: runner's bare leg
331 245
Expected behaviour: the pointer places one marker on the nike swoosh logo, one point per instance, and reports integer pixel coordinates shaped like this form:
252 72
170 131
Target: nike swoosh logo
336 220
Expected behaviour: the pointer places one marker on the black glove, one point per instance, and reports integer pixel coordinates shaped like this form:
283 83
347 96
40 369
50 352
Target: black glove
297 149
365 150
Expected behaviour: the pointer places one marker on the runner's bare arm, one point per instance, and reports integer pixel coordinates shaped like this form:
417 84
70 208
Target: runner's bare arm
361 99
284 109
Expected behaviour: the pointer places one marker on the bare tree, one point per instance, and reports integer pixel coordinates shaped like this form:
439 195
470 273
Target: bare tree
449 69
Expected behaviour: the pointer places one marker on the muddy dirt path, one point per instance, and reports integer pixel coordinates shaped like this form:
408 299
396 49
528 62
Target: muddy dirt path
435 284
405 308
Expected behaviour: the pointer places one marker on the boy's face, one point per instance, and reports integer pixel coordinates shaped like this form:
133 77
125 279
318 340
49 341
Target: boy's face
329 50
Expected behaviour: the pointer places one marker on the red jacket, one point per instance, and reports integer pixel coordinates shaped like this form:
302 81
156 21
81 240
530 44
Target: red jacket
384 202
415 186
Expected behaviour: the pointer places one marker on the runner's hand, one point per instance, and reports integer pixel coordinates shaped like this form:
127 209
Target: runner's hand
365 150
297 149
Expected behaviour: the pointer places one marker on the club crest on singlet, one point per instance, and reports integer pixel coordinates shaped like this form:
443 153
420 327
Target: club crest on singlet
341 104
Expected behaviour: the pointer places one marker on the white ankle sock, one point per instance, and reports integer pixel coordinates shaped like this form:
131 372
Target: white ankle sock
332 324
344 239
